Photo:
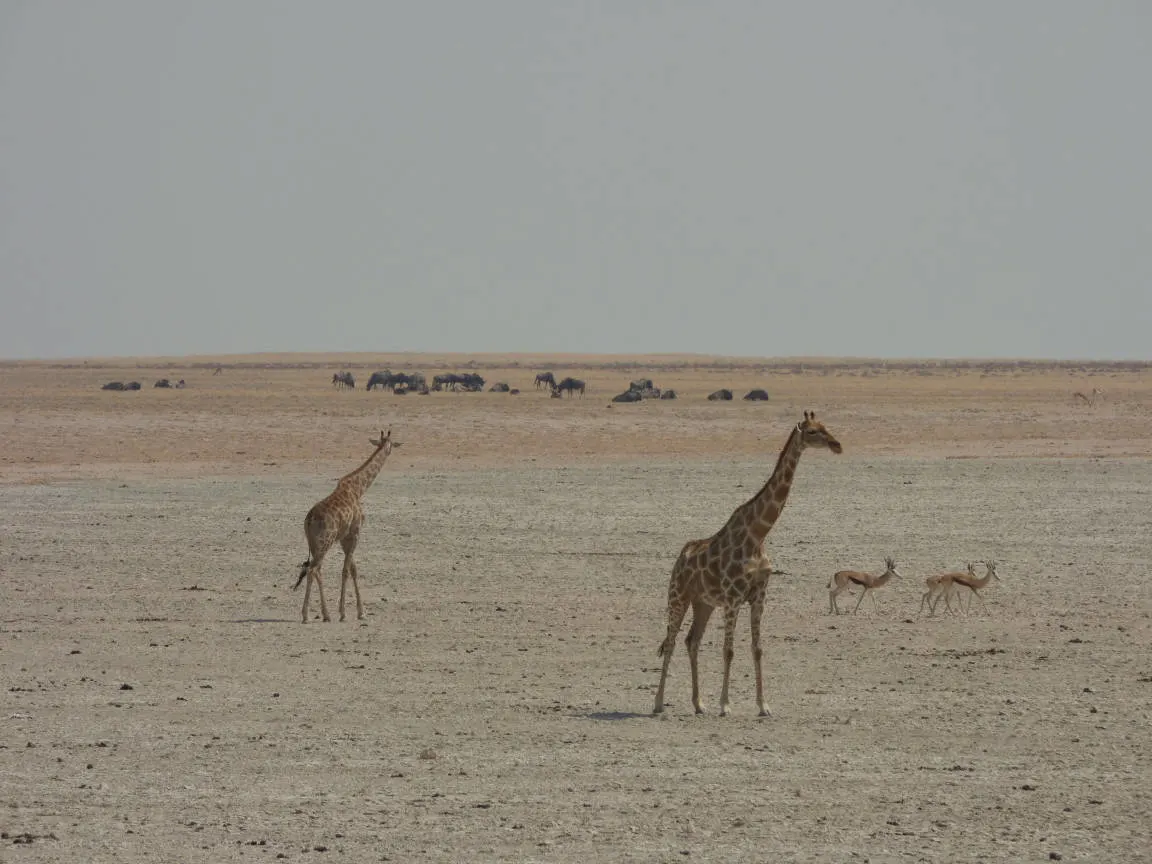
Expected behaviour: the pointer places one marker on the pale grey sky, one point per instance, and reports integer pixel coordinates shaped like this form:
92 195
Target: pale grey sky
840 177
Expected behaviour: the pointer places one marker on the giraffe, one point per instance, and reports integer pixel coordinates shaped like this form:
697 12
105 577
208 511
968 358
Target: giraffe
730 569
339 518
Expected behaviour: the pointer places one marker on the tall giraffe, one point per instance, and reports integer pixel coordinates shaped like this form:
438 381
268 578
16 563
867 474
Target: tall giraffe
339 517
730 569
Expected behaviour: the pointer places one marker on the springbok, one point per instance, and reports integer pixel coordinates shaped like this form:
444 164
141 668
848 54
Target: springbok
1090 399
843 579
970 582
942 585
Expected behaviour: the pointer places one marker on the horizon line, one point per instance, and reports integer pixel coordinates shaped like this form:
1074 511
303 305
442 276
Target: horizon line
518 356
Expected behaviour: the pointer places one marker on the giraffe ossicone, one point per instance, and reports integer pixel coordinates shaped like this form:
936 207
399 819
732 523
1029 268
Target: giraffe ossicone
730 569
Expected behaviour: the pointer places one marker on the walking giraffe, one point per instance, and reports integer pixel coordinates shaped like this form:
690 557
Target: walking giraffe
730 569
339 518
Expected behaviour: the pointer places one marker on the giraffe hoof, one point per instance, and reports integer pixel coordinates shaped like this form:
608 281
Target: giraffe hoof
764 712
700 710
659 709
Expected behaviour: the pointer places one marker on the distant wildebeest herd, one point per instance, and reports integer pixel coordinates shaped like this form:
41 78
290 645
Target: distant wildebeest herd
163 384
470 382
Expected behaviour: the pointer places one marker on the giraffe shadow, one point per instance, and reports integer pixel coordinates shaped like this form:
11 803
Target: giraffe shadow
609 716
262 620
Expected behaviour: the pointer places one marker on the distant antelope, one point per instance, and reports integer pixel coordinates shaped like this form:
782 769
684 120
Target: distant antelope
1090 399
970 581
942 585
842 579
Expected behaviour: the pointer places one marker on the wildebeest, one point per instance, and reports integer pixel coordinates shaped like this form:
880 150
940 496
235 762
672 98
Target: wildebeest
720 396
378 379
343 380
397 382
628 396
571 385
163 382
499 387
545 379
645 388
756 396
668 394
114 385
469 382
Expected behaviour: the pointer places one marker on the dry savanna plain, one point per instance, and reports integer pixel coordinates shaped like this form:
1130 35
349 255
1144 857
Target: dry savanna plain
162 700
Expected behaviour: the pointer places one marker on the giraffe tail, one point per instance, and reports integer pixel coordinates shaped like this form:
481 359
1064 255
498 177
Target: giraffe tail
303 573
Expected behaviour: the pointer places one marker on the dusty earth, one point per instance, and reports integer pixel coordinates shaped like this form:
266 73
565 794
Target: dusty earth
163 702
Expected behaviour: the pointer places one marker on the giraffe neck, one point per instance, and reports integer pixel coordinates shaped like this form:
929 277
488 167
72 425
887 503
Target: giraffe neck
755 517
358 481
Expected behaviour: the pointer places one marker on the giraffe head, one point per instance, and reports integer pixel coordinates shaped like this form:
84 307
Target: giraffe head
813 433
385 442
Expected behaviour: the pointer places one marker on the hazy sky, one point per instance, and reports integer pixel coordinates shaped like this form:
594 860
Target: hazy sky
745 177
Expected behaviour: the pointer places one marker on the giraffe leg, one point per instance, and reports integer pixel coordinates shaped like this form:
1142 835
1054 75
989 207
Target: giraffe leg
313 573
730 614
677 609
701 612
307 591
344 573
348 543
757 614
356 589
